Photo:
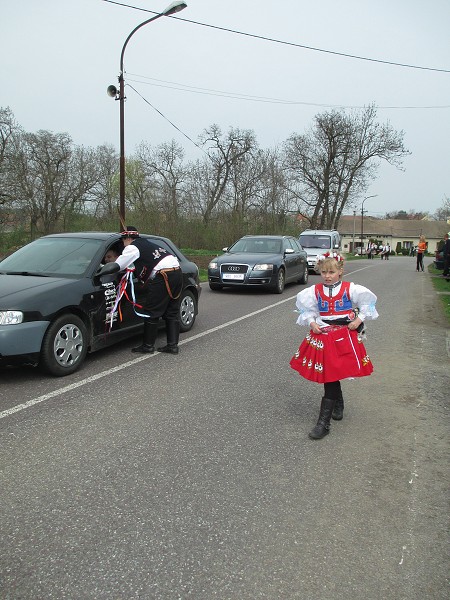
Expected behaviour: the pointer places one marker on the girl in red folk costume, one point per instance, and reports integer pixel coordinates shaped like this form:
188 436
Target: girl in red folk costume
335 310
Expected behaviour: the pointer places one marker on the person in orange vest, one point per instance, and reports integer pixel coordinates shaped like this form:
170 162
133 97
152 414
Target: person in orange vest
421 249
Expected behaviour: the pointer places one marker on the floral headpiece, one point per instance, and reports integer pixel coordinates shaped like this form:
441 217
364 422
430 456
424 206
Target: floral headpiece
334 255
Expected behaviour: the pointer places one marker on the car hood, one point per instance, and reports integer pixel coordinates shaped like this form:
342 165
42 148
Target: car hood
17 289
249 257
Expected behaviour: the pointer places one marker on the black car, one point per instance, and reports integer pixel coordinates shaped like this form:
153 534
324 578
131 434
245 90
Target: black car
268 261
55 307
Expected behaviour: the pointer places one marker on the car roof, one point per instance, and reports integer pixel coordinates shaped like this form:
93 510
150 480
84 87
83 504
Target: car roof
319 231
100 235
268 237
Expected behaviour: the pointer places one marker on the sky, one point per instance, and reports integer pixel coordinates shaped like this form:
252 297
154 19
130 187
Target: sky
208 65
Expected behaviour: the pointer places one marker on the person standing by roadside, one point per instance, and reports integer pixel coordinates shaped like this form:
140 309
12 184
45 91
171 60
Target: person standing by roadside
446 255
421 249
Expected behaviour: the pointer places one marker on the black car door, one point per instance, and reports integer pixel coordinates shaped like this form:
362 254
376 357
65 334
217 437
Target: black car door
291 258
302 263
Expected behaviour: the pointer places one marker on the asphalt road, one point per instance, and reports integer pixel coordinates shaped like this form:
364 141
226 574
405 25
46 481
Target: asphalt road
163 477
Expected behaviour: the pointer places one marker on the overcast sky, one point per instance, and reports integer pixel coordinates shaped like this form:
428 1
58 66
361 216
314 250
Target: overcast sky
59 56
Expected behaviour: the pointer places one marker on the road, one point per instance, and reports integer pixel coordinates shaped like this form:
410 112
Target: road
163 477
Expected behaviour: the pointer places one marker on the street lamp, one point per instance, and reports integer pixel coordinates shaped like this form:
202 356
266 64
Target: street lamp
120 95
362 218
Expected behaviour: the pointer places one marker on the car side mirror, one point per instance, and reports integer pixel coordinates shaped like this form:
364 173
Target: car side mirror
108 269
289 251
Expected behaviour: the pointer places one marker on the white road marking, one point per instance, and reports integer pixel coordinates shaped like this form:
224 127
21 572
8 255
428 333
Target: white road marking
130 363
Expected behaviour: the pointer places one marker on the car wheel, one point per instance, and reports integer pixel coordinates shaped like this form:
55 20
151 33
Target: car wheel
215 287
304 279
188 306
281 280
64 346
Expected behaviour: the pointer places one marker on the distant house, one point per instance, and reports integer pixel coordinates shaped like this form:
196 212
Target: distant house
357 232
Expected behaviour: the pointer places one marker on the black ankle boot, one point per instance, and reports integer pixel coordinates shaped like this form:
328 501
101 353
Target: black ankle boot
169 349
338 410
323 424
148 340
173 334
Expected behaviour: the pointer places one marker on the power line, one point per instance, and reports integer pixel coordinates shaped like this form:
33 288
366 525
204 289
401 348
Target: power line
173 85
295 45
164 117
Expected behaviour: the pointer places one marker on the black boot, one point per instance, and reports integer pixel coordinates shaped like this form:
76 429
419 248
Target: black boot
173 334
338 410
323 424
149 339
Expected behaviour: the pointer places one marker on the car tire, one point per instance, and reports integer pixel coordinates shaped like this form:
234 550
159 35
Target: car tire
65 345
188 310
215 287
304 279
281 282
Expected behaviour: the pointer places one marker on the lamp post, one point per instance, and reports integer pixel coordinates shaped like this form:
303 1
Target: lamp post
120 95
362 218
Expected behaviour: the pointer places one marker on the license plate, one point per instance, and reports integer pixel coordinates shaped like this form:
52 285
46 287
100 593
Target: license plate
235 276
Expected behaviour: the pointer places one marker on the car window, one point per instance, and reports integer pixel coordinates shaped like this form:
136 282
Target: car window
286 244
274 246
53 256
316 241
256 245
295 245
112 253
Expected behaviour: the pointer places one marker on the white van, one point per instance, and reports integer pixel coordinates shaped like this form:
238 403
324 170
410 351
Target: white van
319 241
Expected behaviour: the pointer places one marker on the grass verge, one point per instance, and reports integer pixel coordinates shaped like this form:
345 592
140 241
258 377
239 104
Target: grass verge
442 288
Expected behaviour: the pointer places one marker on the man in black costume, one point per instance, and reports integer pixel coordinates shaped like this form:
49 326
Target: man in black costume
156 268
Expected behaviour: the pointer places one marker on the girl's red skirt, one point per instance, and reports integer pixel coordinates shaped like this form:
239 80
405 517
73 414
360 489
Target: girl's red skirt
335 354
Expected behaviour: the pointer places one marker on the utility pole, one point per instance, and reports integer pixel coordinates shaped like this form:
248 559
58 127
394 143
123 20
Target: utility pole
362 218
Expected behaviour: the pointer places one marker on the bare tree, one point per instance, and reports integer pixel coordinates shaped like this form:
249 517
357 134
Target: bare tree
224 152
139 189
104 196
164 166
443 212
9 129
246 184
336 159
51 177
276 205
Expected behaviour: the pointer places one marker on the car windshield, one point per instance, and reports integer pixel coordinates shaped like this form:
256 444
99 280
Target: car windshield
256 245
52 257
316 241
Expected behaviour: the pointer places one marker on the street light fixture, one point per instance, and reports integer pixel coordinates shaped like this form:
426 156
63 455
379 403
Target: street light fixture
362 219
119 94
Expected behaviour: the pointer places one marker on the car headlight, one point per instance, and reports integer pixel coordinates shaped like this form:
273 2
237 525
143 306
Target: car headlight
10 317
212 265
263 267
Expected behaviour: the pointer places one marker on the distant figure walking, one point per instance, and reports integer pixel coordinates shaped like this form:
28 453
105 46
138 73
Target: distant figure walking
421 249
386 250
